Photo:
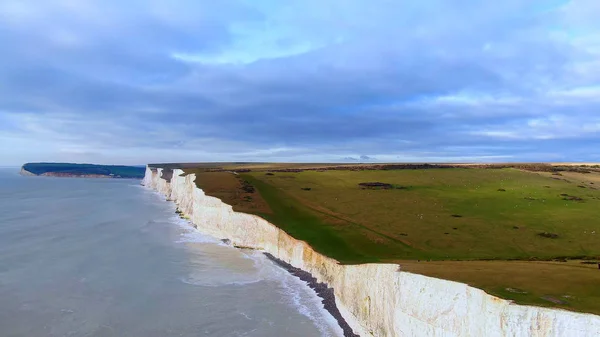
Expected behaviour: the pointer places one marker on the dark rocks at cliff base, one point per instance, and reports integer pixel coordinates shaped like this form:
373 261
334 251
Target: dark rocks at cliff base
322 291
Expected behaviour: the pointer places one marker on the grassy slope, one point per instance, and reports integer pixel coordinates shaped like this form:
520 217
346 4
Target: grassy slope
345 245
417 223
352 225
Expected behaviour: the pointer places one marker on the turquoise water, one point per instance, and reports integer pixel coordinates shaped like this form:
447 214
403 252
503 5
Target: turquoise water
107 257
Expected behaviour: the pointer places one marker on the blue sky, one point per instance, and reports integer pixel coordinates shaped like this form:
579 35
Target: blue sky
302 80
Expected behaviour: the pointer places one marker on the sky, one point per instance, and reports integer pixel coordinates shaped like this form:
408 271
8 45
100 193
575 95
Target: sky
135 82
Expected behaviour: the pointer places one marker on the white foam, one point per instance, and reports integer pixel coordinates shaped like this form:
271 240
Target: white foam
190 234
218 283
299 295
309 304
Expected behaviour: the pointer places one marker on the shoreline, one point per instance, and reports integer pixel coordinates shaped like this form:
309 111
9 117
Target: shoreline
325 293
375 299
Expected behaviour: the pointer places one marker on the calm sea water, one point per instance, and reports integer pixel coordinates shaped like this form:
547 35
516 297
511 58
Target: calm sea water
107 257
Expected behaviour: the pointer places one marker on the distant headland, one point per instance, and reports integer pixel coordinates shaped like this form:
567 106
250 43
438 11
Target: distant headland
82 170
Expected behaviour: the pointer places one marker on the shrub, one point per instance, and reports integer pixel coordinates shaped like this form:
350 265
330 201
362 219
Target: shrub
548 235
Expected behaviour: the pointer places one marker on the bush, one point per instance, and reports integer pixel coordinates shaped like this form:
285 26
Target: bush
548 235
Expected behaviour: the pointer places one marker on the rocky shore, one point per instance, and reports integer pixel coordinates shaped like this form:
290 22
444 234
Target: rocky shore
323 291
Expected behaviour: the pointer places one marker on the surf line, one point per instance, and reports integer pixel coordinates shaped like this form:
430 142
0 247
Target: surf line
325 293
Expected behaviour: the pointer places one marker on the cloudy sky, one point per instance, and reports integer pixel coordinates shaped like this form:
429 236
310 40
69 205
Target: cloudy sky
117 81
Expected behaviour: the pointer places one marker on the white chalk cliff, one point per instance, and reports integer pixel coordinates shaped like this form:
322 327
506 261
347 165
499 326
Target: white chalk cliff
24 172
376 299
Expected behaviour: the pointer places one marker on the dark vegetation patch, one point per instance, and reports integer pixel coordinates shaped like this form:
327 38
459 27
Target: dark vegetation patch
269 174
291 170
376 186
247 187
381 186
501 190
589 262
457 216
571 198
306 188
548 235
516 227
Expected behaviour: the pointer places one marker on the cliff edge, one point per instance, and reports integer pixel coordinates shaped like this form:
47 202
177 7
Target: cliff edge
375 299
24 172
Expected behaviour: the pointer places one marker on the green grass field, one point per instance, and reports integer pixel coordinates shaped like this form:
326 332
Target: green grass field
442 214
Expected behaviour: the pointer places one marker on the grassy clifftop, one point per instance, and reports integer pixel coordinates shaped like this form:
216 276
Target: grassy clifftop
466 224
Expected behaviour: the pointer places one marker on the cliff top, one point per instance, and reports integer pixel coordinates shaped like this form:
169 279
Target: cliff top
531 228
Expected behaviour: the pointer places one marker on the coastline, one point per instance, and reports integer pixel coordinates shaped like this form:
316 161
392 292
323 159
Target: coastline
322 291
375 299
325 293
24 172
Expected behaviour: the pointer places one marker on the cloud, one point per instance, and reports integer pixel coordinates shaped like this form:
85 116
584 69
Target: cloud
367 158
147 81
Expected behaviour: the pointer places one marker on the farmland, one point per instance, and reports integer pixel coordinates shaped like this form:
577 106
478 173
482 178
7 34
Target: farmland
539 224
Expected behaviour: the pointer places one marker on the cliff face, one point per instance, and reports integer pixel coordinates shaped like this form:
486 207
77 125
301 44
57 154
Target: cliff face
375 299
24 172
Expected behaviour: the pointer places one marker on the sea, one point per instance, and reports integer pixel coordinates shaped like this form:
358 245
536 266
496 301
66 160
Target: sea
109 257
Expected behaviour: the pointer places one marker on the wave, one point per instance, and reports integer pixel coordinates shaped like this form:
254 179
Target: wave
216 268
